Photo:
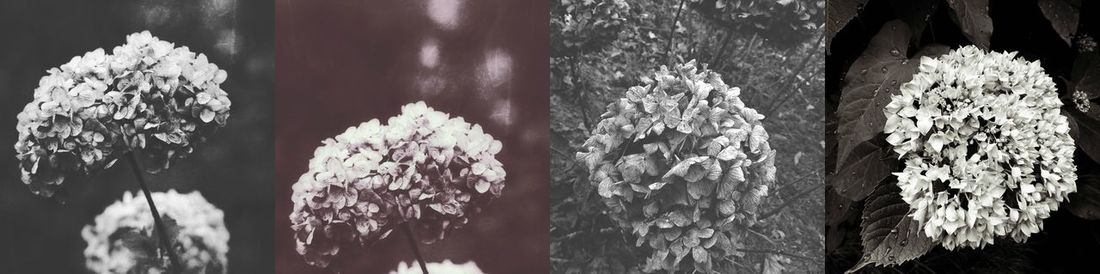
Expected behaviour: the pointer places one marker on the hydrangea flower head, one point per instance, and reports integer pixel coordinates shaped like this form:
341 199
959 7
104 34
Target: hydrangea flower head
146 95
986 149
680 162
122 238
423 166
443 267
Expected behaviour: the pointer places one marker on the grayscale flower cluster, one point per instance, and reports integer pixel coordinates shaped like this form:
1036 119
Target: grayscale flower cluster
423 166
986 149
146 95
681 163
122 239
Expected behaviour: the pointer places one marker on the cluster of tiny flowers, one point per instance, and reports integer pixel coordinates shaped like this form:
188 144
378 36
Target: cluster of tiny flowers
987 152
1086 44
147 95
424 167
122 238
680 162
1081 101
444 267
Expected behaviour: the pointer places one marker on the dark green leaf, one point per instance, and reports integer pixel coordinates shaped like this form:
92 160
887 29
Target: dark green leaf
1087 131
916 14
1063 17
1086 75
1085 203
838 13
869 164
972 16
836 206
889 235
869 83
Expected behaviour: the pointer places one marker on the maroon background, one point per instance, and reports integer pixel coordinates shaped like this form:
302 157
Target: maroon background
341 63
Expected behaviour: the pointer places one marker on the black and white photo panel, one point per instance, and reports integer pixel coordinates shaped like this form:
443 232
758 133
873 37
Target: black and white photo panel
686 136
137 136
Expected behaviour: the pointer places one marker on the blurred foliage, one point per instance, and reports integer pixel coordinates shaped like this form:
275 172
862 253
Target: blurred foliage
781 78
890 36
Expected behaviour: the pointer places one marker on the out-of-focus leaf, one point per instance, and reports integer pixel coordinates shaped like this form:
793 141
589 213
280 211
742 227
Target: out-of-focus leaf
869 83
837 15
972 16
869 164
1085 203
889 235
1063 16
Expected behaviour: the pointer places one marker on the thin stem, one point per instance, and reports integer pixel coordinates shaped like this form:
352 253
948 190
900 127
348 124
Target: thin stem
415 248
672 29
792 255
775 211
162 231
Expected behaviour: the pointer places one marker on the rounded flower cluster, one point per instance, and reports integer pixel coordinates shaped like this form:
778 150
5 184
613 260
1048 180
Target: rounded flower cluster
122 239
680 163
444 267
987 152
424 167
147 95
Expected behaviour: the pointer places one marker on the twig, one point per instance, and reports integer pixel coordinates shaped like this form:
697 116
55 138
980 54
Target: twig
415 248
793 73
721 50
672 29
559 151
162 230
794 182
790 201
775 252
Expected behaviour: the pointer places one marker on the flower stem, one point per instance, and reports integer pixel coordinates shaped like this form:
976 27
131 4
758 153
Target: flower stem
162 231
415 248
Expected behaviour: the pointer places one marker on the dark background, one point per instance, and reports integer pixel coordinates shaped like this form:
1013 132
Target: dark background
346 62
1067 243
232 170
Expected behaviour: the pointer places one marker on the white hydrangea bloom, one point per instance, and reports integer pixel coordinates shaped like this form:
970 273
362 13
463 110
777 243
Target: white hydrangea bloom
987 152
147 95
122 239
424 165
446 267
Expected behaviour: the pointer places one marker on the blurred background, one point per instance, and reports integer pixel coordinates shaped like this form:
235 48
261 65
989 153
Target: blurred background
232 170
346 62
